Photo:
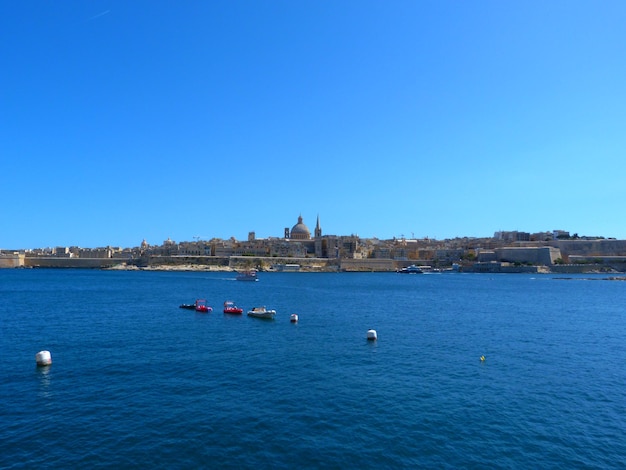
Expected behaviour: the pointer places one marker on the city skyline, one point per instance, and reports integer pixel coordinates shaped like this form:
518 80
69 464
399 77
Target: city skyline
128 121
318 231
280 233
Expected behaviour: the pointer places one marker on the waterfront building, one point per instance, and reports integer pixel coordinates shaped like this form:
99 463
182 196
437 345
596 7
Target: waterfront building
512 236
287 249
256 247
560 234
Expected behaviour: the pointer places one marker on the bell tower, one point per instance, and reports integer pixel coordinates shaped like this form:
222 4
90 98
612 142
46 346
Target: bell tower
318 229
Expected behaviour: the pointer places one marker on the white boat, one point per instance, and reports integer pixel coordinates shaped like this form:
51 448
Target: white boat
261 312
411 270
249 275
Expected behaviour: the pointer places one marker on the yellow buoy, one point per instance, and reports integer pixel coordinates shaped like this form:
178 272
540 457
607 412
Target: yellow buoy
482 358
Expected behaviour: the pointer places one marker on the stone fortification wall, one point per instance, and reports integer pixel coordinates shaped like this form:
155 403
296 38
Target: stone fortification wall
590 247
265 262
368 264
183 261
496 267
538 256
11 260
486 256
576 268
54 262
232 262
617 263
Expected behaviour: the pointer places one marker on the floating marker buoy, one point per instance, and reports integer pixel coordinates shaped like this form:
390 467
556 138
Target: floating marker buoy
371 335
294 317
482 358
43 358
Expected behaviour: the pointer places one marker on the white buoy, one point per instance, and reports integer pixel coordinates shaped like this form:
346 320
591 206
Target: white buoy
294 318
43 358
371 335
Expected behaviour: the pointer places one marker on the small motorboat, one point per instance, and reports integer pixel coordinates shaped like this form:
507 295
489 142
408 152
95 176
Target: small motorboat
249 275
230 307
262 312
202 307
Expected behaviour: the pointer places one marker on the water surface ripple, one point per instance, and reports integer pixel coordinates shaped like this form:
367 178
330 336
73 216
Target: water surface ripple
138 382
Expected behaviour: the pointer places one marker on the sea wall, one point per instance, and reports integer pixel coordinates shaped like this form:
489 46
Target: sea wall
180 260
13 260
497 267
585 264
55 262
576 268
368 264
238 262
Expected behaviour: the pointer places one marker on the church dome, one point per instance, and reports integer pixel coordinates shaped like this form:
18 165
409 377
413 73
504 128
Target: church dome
300 231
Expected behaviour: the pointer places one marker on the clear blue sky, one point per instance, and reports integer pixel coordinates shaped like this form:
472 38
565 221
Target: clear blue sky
125 120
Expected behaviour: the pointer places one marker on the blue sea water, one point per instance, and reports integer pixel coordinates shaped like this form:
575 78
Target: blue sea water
137 382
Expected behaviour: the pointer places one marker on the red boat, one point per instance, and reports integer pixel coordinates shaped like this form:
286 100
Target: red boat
202 307
230 307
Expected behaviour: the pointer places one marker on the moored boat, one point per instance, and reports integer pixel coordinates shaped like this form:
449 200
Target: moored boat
202 307
230 307
261 312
